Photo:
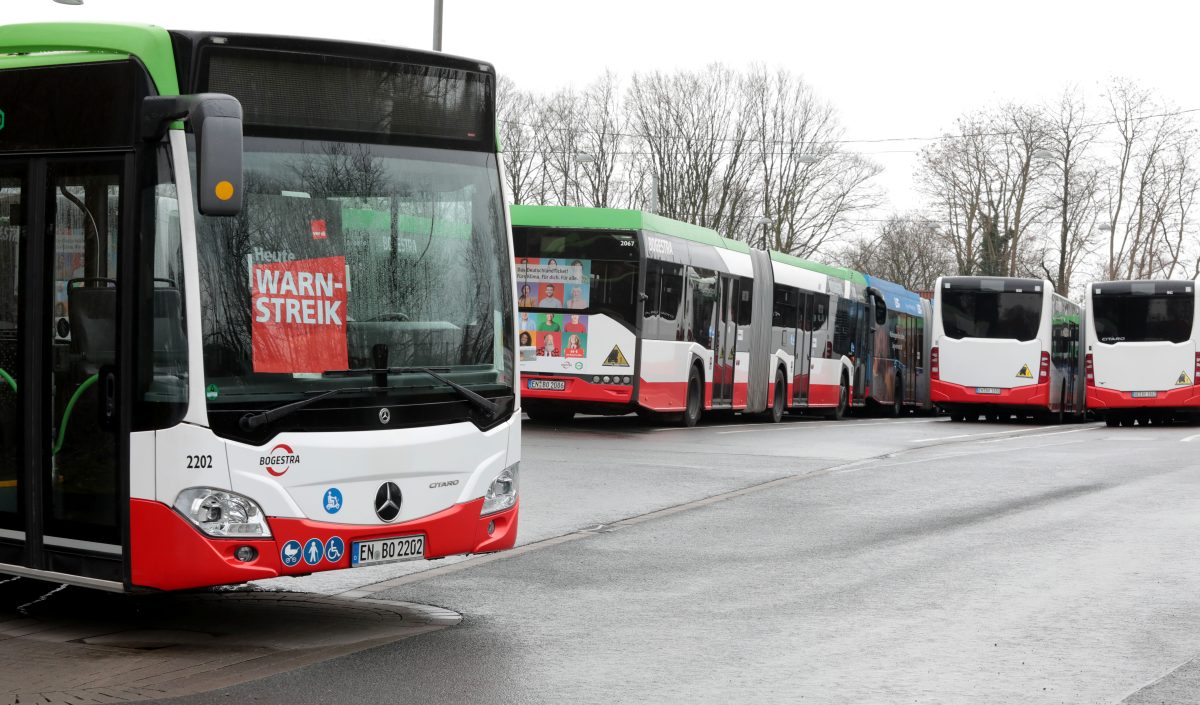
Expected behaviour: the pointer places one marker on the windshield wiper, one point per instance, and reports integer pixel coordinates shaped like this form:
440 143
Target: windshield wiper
491 408
249 422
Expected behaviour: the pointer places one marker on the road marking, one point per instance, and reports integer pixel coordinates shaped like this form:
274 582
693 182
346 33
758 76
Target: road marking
1190 438
975 435
825 424
1041 435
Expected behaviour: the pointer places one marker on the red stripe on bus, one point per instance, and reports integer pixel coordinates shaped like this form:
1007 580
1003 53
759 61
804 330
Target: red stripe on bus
662 396
941 391
1182 398
578 390
168 553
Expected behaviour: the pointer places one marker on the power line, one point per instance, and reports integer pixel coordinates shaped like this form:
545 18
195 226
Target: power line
875 140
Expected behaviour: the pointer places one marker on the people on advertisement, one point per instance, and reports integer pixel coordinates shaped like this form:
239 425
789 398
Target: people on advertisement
576 299
550 323
577 324
526 299
574 346
550 297
548 348
526 321
526 339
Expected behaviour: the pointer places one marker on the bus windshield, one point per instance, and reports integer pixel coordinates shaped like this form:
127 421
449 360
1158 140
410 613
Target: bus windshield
1008 315
587 272
352 256
1133 318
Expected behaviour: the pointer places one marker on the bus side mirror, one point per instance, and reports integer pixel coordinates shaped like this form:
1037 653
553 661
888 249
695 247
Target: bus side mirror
216 120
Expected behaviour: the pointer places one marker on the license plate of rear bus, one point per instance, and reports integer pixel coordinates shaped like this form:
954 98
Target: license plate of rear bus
987 390
401 548
1144 395
548 385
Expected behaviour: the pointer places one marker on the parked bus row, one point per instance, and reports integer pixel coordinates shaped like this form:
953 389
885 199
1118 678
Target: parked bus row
625 311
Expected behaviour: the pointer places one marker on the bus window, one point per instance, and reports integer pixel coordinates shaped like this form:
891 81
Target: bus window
745 310
991 314
670 303
11 234
650 309
704 305
1134 318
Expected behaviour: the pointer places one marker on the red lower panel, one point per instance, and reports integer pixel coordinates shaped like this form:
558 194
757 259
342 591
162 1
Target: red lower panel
741 394
949 393
824 394
578 390
662 396
1101 398
168 553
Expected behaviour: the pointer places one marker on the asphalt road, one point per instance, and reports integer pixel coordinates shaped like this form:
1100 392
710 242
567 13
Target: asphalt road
910 560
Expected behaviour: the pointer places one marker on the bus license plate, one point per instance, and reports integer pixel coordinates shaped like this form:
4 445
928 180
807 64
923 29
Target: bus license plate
987 390
548 385
402 548
1145 395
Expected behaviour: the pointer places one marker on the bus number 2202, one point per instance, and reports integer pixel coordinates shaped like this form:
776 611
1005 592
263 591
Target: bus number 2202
196 462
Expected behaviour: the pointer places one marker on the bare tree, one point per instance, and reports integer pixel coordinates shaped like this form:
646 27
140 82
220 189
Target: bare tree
604 122
518 115
697 144
807 187
1071 132
907 249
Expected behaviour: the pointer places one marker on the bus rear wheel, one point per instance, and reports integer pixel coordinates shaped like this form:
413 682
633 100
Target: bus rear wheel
549 416
694 405
897 407
839 412
774 413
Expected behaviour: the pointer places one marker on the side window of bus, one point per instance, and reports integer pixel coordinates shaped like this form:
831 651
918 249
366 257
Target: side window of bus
163 366
745 309
818 318
783 318
670 305
650 308
703 285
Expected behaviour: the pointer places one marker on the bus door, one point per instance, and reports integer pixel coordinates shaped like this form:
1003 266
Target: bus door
803 350
725 345
62 496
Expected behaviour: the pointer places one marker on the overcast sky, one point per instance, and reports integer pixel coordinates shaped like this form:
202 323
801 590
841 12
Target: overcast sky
893 69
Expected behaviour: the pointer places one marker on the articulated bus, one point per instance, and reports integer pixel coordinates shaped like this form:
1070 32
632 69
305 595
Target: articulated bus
628 311
1003 347
258 314
1142 351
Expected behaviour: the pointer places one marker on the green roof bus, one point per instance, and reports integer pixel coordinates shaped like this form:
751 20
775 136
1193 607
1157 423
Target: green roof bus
621 311
257 316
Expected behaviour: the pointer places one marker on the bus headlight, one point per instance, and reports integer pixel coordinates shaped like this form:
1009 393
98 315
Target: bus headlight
502 493
222 513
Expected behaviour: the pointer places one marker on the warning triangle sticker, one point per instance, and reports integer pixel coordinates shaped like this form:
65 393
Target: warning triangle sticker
1183 379
616 358
1025 372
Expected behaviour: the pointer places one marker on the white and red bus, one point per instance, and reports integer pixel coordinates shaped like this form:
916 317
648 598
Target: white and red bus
623 311
1005 346
1142 351
257 316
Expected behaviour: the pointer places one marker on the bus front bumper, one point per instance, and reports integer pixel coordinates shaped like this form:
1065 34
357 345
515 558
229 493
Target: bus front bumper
168 553
1183 398
577 389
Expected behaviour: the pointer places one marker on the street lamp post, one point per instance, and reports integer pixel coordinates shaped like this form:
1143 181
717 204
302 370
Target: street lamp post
437 23
762 223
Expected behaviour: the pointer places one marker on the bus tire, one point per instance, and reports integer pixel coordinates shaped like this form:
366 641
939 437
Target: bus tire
550 417
694 405
957 418
839 412
774 413
897 406
1112 421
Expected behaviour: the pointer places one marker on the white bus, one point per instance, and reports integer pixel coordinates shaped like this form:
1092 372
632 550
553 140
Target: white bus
1142 351
628 311
1005 346
257 312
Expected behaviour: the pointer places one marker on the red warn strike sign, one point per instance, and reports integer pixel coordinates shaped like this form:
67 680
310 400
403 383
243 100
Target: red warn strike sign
299 315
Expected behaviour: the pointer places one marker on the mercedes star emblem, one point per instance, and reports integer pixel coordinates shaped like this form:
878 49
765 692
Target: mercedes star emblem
384 416
387 501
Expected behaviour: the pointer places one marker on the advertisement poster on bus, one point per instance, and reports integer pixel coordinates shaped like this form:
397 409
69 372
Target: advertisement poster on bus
299 314
548 283
553 335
